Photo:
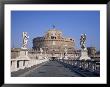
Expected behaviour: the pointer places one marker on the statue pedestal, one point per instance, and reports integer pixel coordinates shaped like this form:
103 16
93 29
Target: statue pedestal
23 59
84 55
24 54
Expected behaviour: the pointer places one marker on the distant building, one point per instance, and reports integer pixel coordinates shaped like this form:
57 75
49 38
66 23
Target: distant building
91 51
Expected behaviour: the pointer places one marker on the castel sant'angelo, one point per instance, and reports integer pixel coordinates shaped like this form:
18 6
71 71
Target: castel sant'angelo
53 41
53 44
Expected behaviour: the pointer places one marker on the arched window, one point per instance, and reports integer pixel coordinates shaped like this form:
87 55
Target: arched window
53 37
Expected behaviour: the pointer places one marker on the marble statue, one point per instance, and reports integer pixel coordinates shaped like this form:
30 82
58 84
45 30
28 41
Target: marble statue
25 39
83 41
84 51
65 50
66 55
41 50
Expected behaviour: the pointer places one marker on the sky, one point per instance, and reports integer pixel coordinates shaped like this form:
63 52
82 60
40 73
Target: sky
70 23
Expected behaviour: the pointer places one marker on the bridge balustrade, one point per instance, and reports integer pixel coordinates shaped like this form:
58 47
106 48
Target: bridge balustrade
90 65
22 64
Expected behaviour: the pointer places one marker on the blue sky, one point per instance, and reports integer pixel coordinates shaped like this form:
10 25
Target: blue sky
71 23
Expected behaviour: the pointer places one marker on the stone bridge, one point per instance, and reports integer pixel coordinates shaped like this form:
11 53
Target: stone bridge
59 68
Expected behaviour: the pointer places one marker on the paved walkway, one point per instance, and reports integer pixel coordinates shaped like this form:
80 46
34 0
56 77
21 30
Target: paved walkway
50 69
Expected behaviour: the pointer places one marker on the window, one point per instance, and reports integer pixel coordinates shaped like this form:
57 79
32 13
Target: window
52 37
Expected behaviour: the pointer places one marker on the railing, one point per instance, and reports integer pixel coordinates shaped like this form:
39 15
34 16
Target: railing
90 65
21 64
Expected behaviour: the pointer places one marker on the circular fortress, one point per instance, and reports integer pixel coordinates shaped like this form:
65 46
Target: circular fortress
53 41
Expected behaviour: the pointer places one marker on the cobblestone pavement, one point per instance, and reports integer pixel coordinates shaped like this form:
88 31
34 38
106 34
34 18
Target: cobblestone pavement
50 69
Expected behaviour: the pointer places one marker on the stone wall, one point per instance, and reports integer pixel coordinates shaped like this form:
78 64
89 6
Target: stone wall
15 53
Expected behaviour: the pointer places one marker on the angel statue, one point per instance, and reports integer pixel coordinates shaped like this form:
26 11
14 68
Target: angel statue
41 50
25 39
83 41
